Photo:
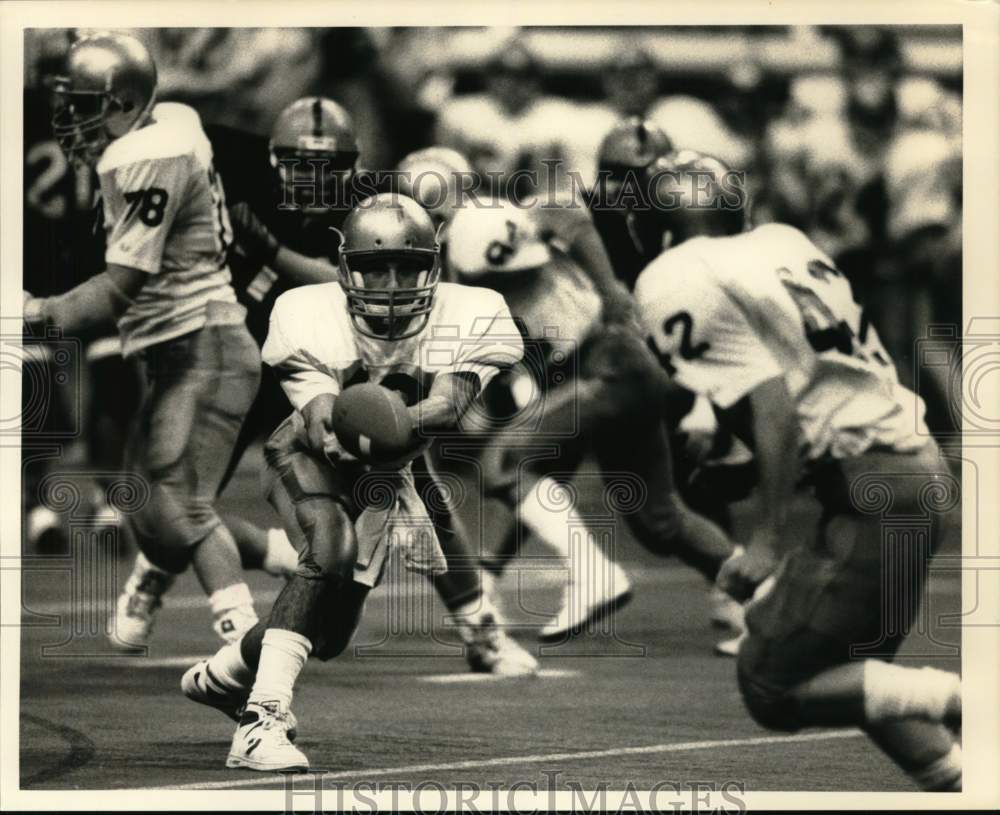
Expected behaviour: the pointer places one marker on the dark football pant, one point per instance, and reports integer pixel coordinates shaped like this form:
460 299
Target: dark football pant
200 387
615 408
269 409
855 592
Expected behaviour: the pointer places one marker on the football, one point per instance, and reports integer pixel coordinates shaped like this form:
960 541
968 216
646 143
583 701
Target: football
372 422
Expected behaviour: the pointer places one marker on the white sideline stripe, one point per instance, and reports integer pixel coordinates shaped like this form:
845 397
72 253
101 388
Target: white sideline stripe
147 662
457 678
263 599
170 603
680 747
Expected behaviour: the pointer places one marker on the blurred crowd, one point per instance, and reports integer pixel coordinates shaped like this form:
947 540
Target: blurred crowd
862 151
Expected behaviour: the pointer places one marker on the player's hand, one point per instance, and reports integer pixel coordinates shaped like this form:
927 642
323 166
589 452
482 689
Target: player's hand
252 237
745 570
31 308
318 417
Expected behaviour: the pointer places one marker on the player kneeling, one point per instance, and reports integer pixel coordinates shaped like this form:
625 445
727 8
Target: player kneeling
387 323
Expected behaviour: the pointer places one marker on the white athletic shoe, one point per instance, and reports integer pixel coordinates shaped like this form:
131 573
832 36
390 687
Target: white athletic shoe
583 605
261 741
234 623
137 605
726 612
489 650
200 685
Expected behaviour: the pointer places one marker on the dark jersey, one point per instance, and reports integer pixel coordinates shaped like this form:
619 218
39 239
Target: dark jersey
243 161
63 244
626 259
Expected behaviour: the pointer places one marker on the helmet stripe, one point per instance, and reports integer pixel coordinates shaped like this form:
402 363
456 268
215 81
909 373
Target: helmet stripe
317 111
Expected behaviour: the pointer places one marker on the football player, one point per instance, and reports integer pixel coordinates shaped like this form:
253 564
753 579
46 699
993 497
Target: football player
286 193
711 467
764 324
167 284
441 178
436 177
389 321
603 391
625 152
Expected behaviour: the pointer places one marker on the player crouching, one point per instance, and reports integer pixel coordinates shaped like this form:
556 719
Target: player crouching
338 349
771 334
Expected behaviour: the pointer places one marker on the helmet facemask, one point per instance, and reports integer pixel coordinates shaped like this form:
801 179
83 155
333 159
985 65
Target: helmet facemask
85 122
390 293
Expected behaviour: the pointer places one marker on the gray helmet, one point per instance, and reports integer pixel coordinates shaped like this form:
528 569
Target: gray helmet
390 266
108 86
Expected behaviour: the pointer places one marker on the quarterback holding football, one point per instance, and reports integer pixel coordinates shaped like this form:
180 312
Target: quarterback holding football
375 366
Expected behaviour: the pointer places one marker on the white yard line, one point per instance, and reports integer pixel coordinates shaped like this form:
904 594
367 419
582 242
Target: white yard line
505 761
468 676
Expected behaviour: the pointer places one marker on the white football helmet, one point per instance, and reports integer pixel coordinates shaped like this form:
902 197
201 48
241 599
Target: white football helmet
494 237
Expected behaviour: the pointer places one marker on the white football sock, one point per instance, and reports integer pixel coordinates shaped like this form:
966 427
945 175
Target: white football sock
229 669
281 557
943 774
552 524
893 692
593 577
282 658
234 596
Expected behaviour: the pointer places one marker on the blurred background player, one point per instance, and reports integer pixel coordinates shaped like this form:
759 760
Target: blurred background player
602 392
322 340
167 285
286 193
866 160
512 126
765 325
626 150
60 251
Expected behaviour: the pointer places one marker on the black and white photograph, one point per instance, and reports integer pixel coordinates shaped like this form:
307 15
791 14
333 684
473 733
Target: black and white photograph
499 413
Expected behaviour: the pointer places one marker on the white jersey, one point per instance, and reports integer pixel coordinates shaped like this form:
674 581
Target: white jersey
495 140
315 348
558 303
165 214
730 313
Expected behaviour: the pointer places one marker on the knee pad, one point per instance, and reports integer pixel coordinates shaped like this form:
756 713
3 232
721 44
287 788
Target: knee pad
769 702
331 546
